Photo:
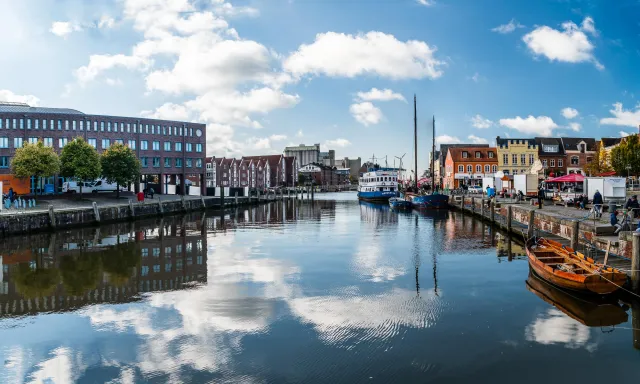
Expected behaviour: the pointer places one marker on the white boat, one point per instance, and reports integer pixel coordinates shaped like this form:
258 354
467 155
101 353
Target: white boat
378 184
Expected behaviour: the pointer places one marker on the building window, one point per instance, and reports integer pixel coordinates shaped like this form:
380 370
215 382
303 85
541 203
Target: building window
105 143
28 123
128 127
44 124
523 159
119 141
17 142
189 163
552 163
156 145
144 161
66 125
135 127
198 147
515 171
132 144
560 163
82 125
549 148
73 125
491 155
478 155
164 130
144 145
494 168
589 159
544 162
505 159
92 142
487 168
21 123
188 147
469 169
52 124
514 159
169 130
179 162
36 123
478 168
155 252
167 146
59 125
48 142
198 163
4 142
102 126
465 154
178 147
62 142
33 140
531 159
156 162
146 128
167 162
4 161
575 160
1 123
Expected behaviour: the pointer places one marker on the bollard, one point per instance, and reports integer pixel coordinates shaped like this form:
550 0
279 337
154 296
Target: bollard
52 217
635 263
509 215
574 234
96 212
131 211
532 224
493 211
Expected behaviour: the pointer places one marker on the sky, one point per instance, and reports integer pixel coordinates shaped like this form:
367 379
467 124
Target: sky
264 74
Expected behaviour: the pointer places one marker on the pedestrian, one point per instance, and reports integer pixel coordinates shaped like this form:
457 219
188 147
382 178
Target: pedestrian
151 192
11 193
597 203
634 206
540 197
613 219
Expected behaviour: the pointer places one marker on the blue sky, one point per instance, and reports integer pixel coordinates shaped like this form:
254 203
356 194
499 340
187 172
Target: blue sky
264 74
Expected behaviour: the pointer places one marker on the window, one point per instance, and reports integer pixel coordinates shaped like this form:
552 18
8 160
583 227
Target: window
465 154
531 159
487 168
48 142
33 140
128 127
188 147
167 267
156 268
44 124
62 142
478 168
515 171
4 142
575 160
92 142
167 162
21 123
146 128
144 161
552 162
156 162
514 159
17 142
132 144
589 159
167 146
28 123
135 127
198 163
1 123
66 125
180 131
491 155
4 161
119 141
178 147
523 159
178 162
198 147
544 162
469 169
549 148
494 168
505 159
175 131
59 125
52 125
156 145
169 130
156 252
105 143
189 163
478 155
164 130
144 145
560 163
82 125
95 126
36 123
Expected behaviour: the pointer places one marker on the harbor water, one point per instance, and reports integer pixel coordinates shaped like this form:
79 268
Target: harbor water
326 291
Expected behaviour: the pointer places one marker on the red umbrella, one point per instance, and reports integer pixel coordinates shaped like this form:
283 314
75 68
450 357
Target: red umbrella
570 178
612 173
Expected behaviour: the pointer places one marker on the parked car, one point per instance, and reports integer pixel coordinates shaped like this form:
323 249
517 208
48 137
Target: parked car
103 186
74 186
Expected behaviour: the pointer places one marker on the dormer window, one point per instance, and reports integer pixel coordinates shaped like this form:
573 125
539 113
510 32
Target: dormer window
491 155
465 154
477 155
550 148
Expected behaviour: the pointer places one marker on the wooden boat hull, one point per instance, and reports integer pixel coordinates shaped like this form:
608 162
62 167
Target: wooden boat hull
597 279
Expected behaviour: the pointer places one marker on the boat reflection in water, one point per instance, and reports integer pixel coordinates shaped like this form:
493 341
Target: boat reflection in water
589 310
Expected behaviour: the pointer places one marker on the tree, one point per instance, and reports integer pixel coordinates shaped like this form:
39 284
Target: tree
120 165
120 262
35 160
80 272
302 179
625 158
35 282
600 163
80 160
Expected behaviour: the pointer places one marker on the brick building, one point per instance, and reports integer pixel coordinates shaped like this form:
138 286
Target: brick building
552 156
252 171
468 165
579 152
169 151
324 175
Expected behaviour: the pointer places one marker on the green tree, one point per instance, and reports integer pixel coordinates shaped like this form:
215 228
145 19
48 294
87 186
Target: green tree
35 160
80 160
625 158
120 165
120 261
80 272
35 282
600 163
302 179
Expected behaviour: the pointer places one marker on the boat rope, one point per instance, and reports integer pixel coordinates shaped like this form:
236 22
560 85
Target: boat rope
619 286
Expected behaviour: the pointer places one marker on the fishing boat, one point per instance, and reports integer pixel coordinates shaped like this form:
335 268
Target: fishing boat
590 310
378 184
564 267
419 200
399 203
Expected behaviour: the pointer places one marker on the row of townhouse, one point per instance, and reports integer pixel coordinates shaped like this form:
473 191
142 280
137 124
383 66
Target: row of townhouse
252 171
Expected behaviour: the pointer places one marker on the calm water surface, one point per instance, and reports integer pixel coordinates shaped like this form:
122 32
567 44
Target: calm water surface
331 292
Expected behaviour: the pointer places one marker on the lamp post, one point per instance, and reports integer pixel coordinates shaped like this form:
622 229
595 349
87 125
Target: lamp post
628 167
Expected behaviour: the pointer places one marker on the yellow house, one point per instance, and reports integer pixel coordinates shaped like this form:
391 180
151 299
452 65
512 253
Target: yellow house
516 155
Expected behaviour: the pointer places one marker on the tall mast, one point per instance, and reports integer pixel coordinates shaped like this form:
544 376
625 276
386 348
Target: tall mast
433 154
415 138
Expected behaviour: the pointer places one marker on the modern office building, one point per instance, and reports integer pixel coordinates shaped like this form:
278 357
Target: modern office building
169 151
304 154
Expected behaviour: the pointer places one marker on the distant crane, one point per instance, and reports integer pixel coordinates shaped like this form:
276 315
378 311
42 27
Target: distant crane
394 162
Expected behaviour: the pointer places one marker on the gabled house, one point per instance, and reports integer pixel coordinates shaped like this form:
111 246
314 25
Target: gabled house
552 156
579 152
468 165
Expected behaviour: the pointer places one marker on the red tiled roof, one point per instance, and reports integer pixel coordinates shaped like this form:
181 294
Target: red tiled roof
456 155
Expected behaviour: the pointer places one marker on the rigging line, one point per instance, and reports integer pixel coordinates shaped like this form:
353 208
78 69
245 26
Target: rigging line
624 289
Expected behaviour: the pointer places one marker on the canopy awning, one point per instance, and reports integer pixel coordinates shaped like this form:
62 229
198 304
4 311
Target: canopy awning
570 178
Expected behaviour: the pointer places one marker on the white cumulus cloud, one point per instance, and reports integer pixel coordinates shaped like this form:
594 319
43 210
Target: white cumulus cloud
508 28
277 137
624 134
341 143
376 94
7 95
571 45
575 126
569 113
63 28
374 53
106 21
477 140
446 139
426 3
537 126
366 113
622 117
588 25
480 122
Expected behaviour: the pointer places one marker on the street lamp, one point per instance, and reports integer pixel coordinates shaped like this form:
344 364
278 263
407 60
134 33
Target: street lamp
628 167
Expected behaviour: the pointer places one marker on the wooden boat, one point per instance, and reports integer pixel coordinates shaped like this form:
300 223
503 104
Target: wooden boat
590 310
566 268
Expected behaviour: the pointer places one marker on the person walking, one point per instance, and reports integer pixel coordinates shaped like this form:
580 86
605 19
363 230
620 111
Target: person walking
540 197
597 203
